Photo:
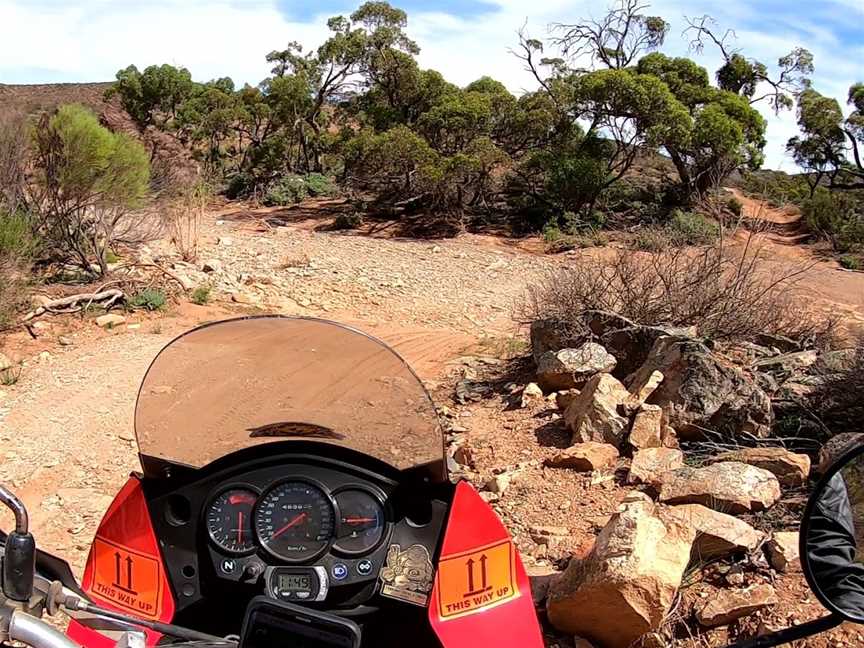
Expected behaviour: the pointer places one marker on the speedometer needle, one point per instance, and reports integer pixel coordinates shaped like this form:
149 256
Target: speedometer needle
358 520
297 520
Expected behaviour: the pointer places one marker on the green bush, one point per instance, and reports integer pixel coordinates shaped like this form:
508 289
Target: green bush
319 185
348 221
288 190
150 299
17 248
201 295
651 239
851 262
734 205
837 217
688 228
16 236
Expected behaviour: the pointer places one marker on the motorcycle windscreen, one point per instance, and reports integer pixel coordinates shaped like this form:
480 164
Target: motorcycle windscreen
243 382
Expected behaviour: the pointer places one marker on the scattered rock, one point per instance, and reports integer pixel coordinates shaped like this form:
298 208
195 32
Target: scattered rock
499 483
5 362
631 576
225 241
632 345
464 456
471 391
531 394
545 336
836 361
649 387
585 457
569 368
729 486
647 426
65 340
213 265
548 535
649 465
787 363
110 320
669 437
541 577
782 551
780 342
790 468
594 416
717 534
244 298
564 398
702 392
725 606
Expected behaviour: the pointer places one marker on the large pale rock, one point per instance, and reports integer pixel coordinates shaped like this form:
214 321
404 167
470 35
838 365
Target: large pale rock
730 487
633 344
585 457
700 391
110 320
726 606
532 394
647 429
787 363
790 468
649 465
782 551
594 415
648 387
627 584
717 534
569 368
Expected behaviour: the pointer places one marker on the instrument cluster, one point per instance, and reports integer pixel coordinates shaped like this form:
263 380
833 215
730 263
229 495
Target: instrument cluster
295 521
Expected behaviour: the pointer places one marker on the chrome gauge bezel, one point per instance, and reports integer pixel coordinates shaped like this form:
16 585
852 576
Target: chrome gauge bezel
239 486
380 500
334 512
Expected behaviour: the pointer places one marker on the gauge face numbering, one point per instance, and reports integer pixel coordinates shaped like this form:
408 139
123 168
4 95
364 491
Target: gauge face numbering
229 520
361 522
294 521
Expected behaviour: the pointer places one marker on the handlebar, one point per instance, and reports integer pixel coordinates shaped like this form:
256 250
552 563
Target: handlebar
37 633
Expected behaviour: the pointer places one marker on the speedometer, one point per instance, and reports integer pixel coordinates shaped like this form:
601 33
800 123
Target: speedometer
294 521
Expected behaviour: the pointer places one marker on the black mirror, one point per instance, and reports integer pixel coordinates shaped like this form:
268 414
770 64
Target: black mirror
832 537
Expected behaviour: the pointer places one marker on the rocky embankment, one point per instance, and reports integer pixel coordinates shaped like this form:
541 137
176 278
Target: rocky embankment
689 427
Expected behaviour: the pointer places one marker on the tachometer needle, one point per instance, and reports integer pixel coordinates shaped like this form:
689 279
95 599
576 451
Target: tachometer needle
240 527
297 520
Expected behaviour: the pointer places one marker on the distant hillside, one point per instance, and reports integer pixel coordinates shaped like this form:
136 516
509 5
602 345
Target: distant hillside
169 156
30 99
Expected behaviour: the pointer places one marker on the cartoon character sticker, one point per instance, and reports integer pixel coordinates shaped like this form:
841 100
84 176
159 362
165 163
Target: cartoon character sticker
408 574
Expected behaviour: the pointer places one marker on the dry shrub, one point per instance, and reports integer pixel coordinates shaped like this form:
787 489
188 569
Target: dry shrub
727 294
839 402
184 214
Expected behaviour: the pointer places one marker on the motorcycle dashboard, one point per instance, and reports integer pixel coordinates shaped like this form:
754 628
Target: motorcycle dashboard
297 528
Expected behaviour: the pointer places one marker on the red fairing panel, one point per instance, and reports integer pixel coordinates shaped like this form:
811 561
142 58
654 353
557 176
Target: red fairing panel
482 595
124 570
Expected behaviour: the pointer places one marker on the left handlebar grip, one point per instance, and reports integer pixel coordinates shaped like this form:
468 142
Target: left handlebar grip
19 566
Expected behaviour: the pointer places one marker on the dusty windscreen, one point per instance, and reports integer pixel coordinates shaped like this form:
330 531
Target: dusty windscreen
242 382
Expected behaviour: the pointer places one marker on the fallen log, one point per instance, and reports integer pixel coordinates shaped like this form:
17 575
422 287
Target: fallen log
75 303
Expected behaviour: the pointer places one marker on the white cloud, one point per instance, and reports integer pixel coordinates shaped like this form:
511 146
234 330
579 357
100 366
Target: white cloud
90 40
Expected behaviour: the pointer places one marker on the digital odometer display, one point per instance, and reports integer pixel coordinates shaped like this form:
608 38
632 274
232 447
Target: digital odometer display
294 521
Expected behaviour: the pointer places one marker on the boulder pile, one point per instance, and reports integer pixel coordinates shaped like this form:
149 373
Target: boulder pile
643 398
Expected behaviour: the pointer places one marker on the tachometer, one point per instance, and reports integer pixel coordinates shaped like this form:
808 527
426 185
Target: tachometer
229 520
361 522
294 521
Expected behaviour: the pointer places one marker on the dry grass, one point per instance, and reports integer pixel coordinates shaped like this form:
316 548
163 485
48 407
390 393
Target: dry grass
727 294
184 215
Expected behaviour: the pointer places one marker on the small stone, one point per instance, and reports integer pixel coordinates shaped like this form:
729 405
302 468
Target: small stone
64 340
44 357
133 327
225 241
531 394
726 606
547 535
647 427
213 265
464 456
499 483
585 457
243 298
569 368
782 551
649 465
110 320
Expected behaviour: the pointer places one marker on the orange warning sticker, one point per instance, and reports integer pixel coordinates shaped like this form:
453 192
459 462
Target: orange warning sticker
475 580
127 578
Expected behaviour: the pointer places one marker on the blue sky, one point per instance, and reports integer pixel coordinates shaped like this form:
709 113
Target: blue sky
89 40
